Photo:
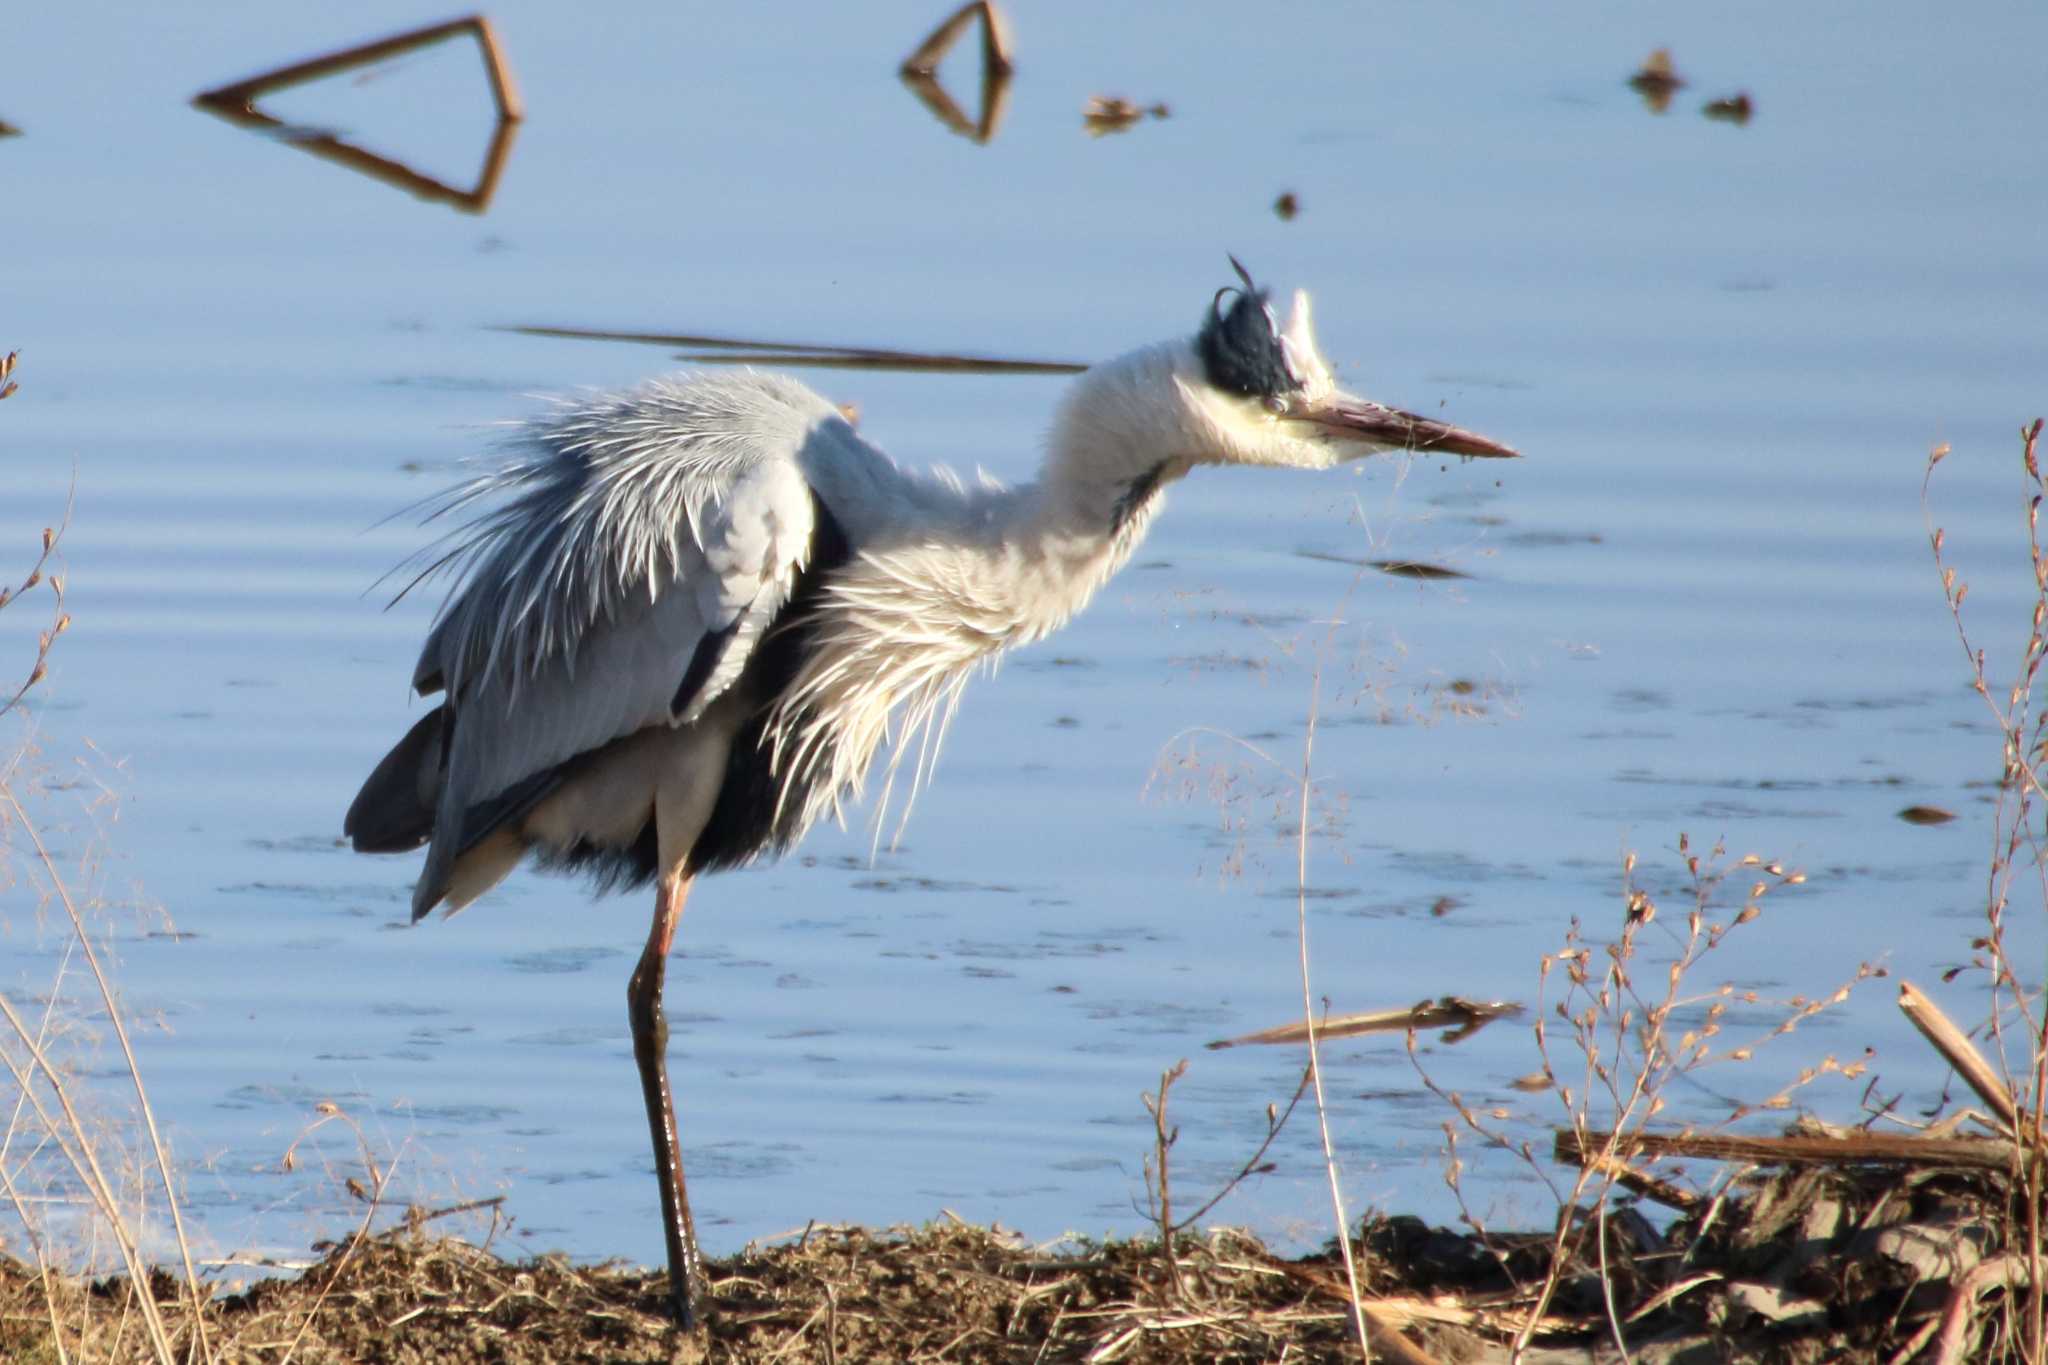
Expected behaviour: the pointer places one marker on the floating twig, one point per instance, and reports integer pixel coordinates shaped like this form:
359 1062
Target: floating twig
706 350
1463 1017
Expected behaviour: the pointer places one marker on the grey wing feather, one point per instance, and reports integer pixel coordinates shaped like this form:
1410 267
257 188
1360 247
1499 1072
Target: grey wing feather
638 528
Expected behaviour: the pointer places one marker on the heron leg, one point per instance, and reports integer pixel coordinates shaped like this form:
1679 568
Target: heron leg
650 1050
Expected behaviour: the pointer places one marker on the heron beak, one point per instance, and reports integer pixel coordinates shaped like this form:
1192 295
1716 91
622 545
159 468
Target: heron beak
1390 428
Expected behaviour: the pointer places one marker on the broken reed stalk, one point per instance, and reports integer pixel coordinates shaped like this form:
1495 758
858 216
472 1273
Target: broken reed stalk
1953 1044
1163 1139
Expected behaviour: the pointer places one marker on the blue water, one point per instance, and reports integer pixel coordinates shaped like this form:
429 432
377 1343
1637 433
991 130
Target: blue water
1703 603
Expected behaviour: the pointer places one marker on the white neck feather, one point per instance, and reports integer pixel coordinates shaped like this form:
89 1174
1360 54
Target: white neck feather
989 569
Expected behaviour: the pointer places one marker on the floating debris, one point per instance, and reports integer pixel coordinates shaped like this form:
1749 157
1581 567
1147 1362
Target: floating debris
1926 815
1657 81
1105 114
1735 109
1398 568
1414 568
1286 207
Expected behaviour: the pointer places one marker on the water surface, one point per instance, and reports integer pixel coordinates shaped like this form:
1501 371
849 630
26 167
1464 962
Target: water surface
1703 603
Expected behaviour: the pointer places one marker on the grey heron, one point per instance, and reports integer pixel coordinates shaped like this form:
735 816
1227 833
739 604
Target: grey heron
688 617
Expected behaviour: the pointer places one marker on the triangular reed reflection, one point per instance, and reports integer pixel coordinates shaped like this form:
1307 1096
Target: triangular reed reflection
920 70
237 104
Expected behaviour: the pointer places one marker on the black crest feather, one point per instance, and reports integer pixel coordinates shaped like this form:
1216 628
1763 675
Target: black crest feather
1241 350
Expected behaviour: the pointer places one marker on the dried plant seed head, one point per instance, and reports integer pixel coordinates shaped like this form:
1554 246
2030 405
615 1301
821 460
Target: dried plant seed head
1749 912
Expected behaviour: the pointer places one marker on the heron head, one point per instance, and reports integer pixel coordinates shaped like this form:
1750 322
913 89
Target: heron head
1259 392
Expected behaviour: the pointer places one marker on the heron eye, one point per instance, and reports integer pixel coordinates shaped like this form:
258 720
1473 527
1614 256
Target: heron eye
1275 404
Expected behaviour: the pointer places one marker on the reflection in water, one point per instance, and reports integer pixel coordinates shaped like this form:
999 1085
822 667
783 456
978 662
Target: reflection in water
920 70
710 350
1657 81
995 98
237 104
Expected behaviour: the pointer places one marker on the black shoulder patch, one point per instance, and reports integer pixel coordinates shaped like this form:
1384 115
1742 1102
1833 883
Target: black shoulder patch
753 814
1240 349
